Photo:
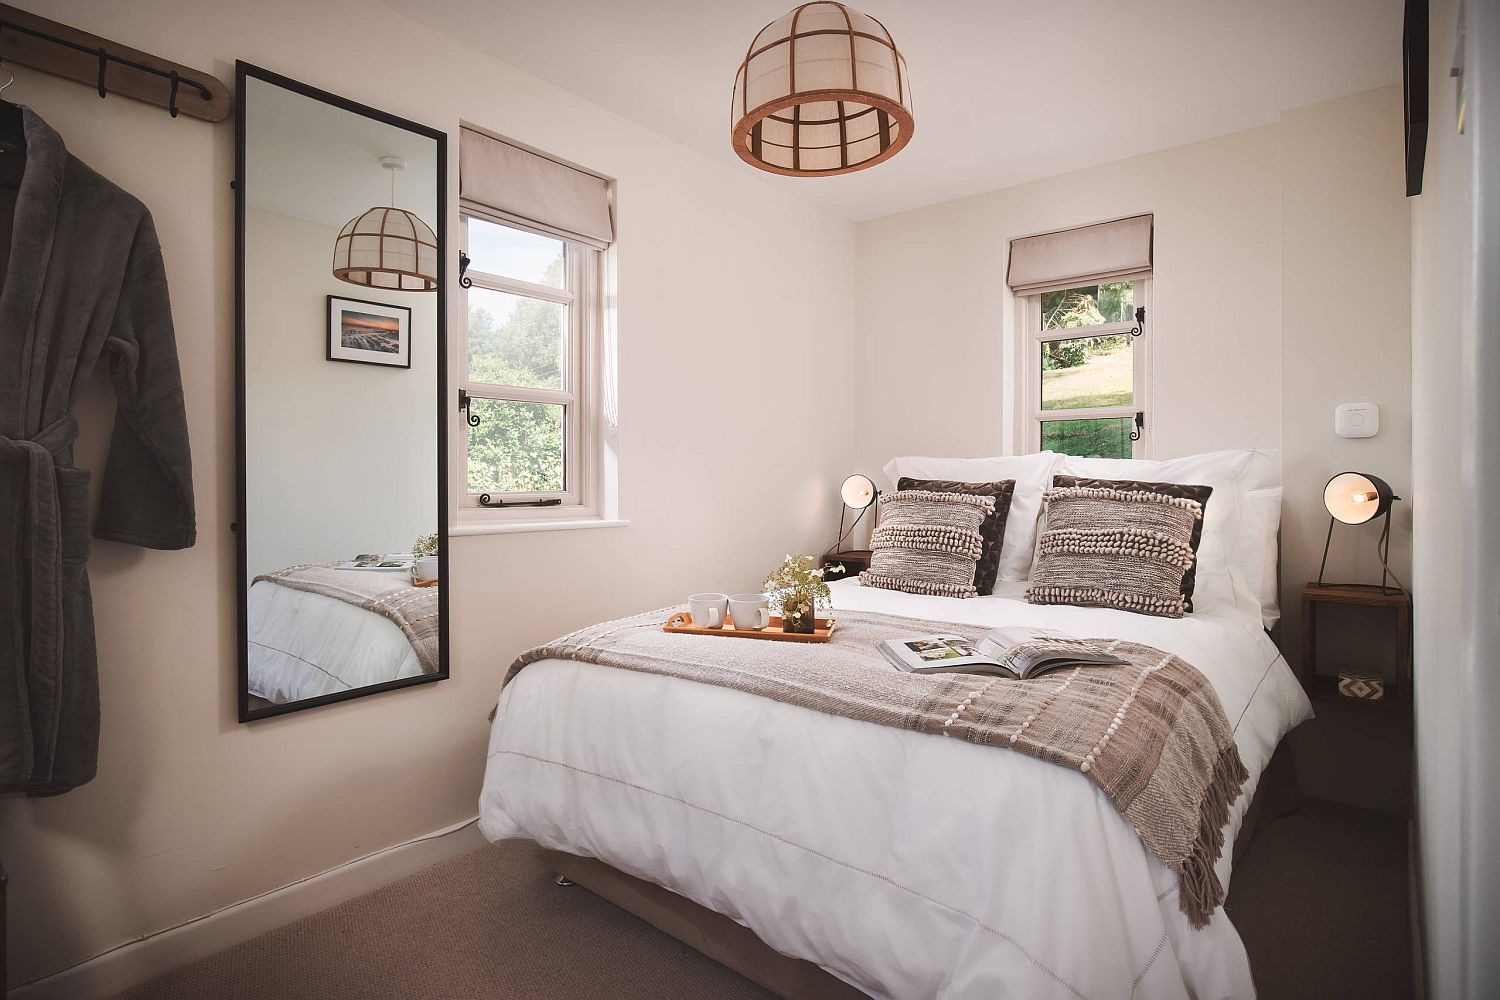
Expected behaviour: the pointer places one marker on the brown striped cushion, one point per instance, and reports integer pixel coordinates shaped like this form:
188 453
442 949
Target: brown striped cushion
927 543
1124 549
1190 492
987 570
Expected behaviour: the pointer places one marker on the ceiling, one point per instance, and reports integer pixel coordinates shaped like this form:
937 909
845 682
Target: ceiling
321 163
1005 91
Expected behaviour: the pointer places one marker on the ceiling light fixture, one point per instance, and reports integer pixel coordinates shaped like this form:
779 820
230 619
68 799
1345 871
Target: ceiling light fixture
823 90
387 247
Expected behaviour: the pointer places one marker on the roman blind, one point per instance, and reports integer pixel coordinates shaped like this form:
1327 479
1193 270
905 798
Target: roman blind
1106 251
513 184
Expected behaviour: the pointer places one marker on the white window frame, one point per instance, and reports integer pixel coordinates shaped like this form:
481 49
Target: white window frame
1030 371
583 293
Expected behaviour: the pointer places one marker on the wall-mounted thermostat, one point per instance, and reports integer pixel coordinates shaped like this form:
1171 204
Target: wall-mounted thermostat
1356 420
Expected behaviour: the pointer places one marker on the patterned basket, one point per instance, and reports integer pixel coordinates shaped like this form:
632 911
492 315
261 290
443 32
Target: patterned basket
1363 685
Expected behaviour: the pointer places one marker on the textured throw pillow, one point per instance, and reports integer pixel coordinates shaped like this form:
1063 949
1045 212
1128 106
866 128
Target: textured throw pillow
1032 473
992 530
927 543
1108 548
1190 492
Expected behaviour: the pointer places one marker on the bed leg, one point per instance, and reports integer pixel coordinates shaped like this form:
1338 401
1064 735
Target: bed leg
563 881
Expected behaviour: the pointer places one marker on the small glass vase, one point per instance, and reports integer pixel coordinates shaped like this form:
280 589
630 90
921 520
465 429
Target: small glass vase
801 622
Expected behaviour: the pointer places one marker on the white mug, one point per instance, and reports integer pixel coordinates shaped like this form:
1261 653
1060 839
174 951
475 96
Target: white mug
750 611
708 609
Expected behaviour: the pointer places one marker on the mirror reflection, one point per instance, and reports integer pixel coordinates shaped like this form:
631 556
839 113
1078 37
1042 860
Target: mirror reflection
341 371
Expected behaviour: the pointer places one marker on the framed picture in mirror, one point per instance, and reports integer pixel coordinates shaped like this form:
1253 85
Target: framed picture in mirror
342 549
369 333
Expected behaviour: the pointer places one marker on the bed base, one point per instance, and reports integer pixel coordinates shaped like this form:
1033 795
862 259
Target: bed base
738 948
715 935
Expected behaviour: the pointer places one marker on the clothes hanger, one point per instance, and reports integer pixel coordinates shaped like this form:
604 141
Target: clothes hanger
12 132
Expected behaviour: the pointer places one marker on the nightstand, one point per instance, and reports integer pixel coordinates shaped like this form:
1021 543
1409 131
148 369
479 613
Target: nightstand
1396 605
854 562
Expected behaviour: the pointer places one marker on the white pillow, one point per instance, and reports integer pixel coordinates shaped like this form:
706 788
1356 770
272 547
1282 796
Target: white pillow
1256 556
1032 473
1232 474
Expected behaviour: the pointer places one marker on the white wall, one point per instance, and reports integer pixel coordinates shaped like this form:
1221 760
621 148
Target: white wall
342 457
1262 238
1345 331
192 811
1456 438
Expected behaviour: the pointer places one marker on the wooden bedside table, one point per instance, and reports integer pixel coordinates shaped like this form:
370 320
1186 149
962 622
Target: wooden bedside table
854 562
1398 688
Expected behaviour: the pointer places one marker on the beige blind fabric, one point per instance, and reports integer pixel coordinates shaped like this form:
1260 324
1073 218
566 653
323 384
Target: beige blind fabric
1110 251
533 189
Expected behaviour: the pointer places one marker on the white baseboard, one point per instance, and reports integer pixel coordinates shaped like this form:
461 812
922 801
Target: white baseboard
138 961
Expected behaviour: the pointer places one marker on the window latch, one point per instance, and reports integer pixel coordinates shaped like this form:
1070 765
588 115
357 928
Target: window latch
463 404
1140 322
1140 423
485 501
464 281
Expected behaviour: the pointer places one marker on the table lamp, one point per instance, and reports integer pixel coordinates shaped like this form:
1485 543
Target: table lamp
858 493
1355 498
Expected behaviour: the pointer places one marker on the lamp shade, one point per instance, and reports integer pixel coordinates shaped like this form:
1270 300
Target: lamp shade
823 90
858 492
387 248
1356 497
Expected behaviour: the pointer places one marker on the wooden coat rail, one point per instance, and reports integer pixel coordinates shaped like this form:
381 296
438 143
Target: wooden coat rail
30 40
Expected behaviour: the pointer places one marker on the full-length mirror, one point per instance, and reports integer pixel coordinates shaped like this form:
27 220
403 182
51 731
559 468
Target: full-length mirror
343 568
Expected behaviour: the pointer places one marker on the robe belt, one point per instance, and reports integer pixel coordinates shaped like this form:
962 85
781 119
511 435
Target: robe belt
42 528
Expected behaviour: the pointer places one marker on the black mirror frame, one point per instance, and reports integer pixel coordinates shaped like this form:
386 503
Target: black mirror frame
244 71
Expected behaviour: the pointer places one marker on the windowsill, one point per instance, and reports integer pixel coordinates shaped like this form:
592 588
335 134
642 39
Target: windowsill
477 527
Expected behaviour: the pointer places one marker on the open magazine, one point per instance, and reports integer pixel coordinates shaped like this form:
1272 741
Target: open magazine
1015 651
391 563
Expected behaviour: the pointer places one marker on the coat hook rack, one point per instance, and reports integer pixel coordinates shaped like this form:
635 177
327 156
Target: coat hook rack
109 67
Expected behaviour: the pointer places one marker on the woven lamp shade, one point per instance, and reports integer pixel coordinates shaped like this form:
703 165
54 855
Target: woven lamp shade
823 90
387 248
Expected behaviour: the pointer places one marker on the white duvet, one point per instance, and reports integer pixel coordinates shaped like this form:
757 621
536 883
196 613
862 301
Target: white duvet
303 645
907 864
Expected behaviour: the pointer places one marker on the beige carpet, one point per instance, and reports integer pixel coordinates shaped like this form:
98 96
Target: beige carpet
1320 900
489 924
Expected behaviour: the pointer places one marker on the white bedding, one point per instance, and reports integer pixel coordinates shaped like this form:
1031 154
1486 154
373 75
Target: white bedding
907 864
303 645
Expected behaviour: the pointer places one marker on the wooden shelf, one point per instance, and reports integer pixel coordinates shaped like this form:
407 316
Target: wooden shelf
1324 687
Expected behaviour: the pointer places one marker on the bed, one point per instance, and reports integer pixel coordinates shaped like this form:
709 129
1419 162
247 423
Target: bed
904 865
314 632
822 855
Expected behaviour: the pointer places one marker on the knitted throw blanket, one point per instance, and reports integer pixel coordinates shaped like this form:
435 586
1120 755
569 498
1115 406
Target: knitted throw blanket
414 610
1151 734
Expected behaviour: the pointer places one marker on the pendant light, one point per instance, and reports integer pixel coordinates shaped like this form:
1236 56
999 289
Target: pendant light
387 247
823 90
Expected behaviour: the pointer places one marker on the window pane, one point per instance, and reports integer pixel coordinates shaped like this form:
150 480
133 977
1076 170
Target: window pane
514 253
517 447
1108 438
515 340
1088 305
1087 371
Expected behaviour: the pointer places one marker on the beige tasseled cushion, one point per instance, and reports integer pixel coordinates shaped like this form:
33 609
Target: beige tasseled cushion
1111 548
927 543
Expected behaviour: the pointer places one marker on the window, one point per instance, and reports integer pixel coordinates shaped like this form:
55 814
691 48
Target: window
1087 370
531 350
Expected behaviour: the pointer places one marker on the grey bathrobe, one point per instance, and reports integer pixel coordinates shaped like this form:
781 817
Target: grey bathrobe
83 281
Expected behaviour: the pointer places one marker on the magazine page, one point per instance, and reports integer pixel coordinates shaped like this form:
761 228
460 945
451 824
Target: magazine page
1027 651
933 652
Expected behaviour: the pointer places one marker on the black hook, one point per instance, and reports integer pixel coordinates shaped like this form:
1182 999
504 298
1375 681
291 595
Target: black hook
103 62
463 265
463 404
172 97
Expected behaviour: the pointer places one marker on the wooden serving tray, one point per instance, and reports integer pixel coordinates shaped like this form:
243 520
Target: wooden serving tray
682 622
